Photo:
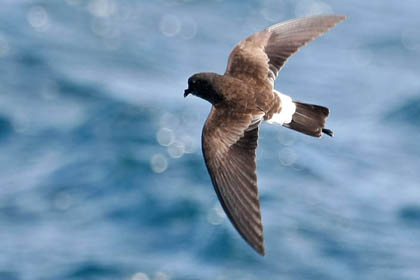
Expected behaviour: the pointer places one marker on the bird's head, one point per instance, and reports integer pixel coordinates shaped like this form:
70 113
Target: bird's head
202 85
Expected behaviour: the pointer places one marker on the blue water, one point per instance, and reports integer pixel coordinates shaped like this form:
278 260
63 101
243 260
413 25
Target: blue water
101 172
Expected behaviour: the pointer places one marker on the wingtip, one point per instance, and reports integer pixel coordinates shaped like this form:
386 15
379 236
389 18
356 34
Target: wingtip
337 18
262 253
258 247
342 17
260 250
328 132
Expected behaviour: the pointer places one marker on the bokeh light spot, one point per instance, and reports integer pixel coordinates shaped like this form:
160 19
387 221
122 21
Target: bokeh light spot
102 8
273 10
176 149
311 8
361 56
165 136
189 29
161 276
170 25
38 18
140 276
159 163
286 139
287 156
169 120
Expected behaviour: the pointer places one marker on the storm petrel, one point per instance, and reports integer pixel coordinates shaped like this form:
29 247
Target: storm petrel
242 98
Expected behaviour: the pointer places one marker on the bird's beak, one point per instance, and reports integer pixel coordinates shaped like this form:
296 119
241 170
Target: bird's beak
186 92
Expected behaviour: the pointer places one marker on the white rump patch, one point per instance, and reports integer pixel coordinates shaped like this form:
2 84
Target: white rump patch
288 108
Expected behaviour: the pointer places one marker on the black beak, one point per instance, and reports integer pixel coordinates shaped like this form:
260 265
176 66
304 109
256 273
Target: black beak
186 92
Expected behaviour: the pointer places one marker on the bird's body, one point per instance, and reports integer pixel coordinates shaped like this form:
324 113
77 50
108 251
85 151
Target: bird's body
244 97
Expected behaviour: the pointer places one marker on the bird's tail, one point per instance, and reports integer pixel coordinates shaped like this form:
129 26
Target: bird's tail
309 119
302 117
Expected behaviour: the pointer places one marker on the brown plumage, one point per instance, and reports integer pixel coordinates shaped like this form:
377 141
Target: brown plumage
242 98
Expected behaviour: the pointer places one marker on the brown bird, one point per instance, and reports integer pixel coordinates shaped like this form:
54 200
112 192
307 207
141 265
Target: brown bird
242 98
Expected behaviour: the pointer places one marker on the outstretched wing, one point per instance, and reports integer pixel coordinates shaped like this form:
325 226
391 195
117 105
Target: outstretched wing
229 142
262 55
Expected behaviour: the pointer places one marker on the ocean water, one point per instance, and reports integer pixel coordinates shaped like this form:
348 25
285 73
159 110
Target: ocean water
101 172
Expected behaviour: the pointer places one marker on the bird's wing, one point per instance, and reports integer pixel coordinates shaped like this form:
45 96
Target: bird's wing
262 55
229 142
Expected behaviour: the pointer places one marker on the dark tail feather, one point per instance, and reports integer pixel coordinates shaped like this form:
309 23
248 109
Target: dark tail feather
310 119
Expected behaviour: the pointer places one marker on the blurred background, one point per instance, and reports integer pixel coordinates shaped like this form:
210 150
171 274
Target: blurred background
101 172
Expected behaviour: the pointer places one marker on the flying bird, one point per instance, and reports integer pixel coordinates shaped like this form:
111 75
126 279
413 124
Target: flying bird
244 97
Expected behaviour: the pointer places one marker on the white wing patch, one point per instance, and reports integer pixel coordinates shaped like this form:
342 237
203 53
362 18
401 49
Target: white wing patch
288 108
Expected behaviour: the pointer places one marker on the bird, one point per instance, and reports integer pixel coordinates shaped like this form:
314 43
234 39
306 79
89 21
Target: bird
242 98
